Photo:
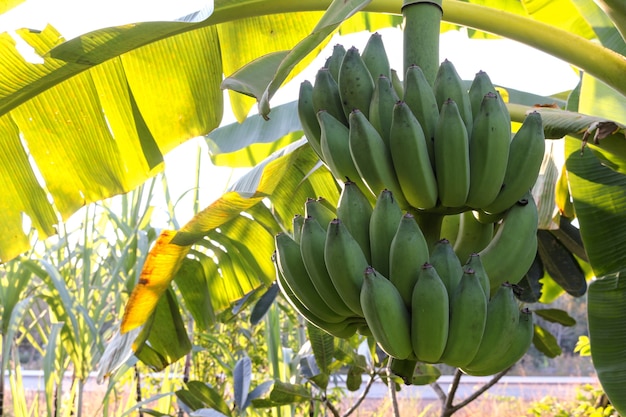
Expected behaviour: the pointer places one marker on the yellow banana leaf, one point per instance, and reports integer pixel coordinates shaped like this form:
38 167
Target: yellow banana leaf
94 118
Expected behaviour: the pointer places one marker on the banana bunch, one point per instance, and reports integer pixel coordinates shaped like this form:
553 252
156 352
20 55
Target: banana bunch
367 268
440 148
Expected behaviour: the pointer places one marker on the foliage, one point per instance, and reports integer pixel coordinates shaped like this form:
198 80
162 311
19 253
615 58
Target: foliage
589 403
57 109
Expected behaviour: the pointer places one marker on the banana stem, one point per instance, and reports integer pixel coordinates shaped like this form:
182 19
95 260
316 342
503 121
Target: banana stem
422 19
430 223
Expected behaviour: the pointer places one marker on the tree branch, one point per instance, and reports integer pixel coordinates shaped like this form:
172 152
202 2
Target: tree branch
362 397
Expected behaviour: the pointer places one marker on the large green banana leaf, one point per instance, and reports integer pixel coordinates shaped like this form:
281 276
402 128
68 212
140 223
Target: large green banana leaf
96 117
158 85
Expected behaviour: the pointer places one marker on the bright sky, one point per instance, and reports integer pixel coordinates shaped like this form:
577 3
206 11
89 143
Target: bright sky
508 63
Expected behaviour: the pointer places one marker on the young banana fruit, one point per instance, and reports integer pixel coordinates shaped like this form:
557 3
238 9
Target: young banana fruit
345 263
488 152
468 315
452 163
411 158
430 315
512 250
355 211
408 251
382 228
385 314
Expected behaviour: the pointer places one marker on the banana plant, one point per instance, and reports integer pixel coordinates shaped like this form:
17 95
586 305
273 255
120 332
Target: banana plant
57 109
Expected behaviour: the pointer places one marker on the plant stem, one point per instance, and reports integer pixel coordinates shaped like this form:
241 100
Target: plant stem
422 19
392 391
448 408
430 223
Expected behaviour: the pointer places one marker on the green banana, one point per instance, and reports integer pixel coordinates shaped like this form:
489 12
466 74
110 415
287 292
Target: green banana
372 157
525 155
296 224
411 160
290 264
312 246
382 228
375 57
489 152
452 163
397 84
335 148
333 63
385 314
487 218
468 315
318 210
473 235
513 247
447 264
345 263
480 86
326 95
407 253
381 106
308 118
476 264
520 342
430 315
356 85
344 329
450 227
449 86
419 96
355 211
502 321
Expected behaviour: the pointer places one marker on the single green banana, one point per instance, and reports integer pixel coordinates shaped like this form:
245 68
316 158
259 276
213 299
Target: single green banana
502 321
480 86
450 227
520 343
525 155
355 211
334 61
430 315
345 263
449 86
375 57
382 228
489 152
419 96
326 95
411 160
343 330
318 210
452 163
381 106
397 83
385 314
513 247
473 235
372 157
335 147
290 264
468 316
308 118
447 264
296 224
312 246
408 251
476 264
356 85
